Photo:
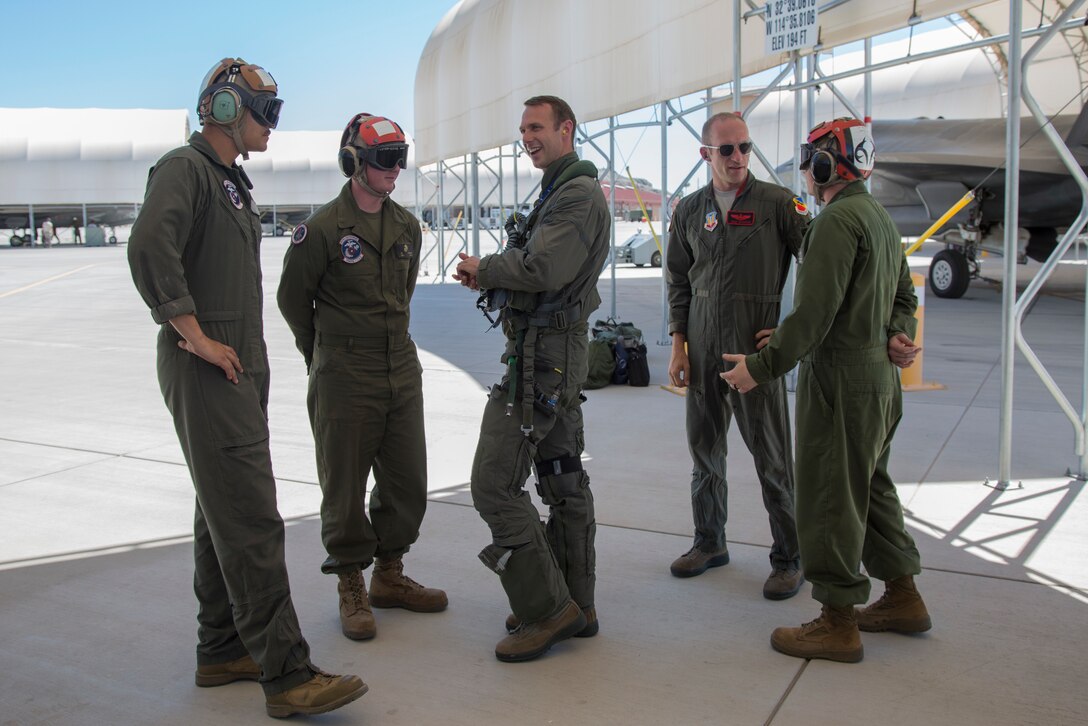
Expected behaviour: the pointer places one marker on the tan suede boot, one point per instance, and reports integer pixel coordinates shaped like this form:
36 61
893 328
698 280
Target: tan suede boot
832 636
322 693
592 626
533 639
900 609
356 618
390 588
218 674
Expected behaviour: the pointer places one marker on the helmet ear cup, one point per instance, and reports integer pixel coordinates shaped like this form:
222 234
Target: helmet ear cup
225 106
823 167
349 161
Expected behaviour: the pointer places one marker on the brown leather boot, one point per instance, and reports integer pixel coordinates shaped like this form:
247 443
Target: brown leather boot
534 639
900 609
592 626
390 588
219 674
324 692
356 618
832 636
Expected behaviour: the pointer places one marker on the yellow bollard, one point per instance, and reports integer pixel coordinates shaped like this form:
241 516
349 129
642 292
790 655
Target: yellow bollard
911 378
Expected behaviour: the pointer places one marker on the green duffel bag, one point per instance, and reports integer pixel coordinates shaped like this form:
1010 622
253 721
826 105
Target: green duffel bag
602 362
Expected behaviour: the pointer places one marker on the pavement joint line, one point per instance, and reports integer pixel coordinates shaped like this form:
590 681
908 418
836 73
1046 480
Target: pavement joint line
786 694
48 279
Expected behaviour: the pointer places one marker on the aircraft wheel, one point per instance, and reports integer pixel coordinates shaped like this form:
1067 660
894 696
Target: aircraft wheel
655 259
16 241
949 275
113 239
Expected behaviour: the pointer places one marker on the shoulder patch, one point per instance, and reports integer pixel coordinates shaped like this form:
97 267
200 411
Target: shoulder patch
299 234
799 205
350 249
232 193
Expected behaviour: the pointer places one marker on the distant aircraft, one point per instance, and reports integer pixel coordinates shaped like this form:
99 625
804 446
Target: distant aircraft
17 219
924 166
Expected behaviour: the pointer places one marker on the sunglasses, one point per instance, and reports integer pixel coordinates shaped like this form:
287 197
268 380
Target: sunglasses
727 149
387 156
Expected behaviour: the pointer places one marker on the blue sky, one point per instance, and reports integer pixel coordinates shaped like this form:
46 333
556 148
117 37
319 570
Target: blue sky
331 59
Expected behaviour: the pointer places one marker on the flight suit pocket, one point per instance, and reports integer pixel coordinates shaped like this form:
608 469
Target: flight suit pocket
233 411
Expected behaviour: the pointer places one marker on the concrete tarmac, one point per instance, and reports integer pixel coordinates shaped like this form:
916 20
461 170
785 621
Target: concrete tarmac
97 613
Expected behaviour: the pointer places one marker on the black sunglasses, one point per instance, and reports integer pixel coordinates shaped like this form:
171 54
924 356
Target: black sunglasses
727 149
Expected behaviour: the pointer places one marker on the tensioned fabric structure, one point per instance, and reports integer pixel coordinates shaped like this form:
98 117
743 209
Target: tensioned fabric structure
607 58
99 158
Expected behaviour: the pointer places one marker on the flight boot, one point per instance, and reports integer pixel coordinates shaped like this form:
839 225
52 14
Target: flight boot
832 636
219 674
534 639
900 609
391 588
695 562
324 692
356 618
783 583
592 626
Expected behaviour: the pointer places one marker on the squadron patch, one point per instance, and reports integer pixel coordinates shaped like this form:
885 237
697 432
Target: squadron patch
744 219
403 251
232 193
350 249
711 222
800 206
299 234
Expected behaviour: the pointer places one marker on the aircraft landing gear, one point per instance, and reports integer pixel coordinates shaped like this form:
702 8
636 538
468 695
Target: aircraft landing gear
949 274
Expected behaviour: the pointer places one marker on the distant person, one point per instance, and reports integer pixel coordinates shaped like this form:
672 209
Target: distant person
730 246
48 232
195 259
347 283
852 323
76 236
544 287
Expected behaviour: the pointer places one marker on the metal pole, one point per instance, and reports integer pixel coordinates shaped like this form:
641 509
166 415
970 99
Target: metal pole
612 200
33 227
475 204
736 56
664 222
440 220
1012 225
868 104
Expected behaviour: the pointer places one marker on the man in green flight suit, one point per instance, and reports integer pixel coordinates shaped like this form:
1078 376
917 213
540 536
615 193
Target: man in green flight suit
194 253
544 283
852 323
348 278
729 252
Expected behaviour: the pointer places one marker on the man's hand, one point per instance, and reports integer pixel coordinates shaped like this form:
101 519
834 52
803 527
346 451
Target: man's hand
902 350
679 367
215 353
763 337
466 271
739 379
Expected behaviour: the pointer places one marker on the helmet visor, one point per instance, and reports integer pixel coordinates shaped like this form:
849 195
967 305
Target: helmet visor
807 152
388 156
265 108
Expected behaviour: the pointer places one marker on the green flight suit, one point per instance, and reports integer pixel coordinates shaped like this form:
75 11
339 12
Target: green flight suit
553 280
725 271
347 281
195 249
853 294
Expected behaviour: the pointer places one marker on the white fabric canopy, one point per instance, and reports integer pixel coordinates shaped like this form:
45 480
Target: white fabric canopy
605 58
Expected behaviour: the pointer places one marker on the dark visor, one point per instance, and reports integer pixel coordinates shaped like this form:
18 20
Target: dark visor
388 156
265 108
807 152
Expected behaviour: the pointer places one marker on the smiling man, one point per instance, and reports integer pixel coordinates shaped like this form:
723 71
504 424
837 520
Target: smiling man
348 278
544 286
729 252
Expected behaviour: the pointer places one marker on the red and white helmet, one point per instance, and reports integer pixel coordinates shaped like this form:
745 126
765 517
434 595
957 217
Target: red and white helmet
839 151
372 140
